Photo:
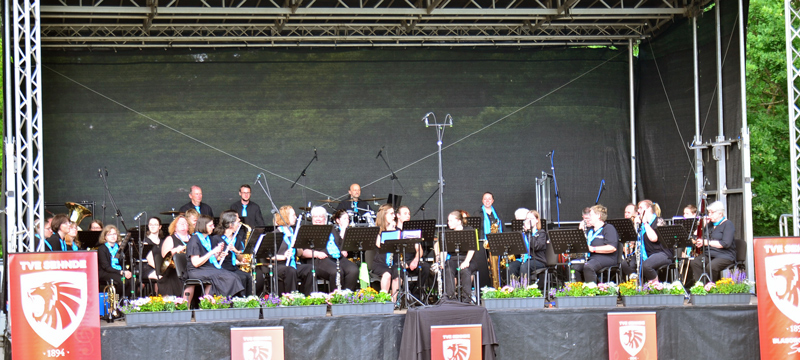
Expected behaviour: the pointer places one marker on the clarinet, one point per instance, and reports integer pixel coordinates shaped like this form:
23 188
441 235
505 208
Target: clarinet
338 271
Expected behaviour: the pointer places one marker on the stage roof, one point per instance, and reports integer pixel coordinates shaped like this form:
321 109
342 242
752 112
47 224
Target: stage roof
105 24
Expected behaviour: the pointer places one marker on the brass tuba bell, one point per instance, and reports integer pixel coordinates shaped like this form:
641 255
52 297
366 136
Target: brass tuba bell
77 212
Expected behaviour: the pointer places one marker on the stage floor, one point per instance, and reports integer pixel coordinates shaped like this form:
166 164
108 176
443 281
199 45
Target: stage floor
686 332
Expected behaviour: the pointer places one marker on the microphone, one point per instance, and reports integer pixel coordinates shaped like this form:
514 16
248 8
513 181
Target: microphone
379 152
315 154
549 154
274 211
99 172
257 178
135 218
106 169
426 115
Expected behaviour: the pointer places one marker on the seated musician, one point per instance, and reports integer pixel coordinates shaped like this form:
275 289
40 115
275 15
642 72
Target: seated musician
205 261
154 239
720 244
48 232
654 254
96 225
174 244
603 240
354 203
456 220
196 202
690 212
414 261
514 266
228 233
536 239
289 270
191 216
385 264
109 266
326 259
60 227
72 238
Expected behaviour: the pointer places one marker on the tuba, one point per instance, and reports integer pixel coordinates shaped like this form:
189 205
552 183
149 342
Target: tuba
245 263
77 212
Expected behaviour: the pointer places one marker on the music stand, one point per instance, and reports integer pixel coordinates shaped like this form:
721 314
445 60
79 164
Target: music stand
89 239
625 229
394 200
568 241
360 239
255 248
501 244
313 237
673 237
475 222
690 225
460 241
517 225
399 248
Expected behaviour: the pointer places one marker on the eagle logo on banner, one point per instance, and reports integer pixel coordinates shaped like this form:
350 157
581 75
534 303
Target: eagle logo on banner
783 283
257 350
456 349
54 303
632 338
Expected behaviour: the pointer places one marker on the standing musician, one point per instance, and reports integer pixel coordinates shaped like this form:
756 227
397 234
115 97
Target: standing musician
602 239
248 211
721 247
536 240
456 220
109 267
288 269
354 203
413 261
383 262
228 233
175 243
60 226
490 218
654 253
326 260
196 197
206 261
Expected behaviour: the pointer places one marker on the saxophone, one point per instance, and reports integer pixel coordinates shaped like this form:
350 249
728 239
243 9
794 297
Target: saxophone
247 259
494 271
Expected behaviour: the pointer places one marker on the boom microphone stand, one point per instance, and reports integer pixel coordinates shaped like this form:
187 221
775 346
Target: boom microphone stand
303 176
551 155
448 122
422 207
394 176
273 267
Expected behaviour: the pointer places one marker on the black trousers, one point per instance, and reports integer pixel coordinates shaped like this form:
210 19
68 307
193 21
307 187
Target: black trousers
588 272
464 280
516 268
423 273
713 269
326 269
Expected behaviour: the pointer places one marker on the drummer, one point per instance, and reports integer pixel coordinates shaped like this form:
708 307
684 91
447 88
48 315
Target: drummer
355 204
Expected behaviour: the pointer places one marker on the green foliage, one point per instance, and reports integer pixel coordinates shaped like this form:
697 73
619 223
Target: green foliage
767 115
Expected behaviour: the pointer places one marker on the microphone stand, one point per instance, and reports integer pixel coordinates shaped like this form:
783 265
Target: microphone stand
273 268
303 176
600 192
448 122
113 203
422 207
551 155
141 249
394 177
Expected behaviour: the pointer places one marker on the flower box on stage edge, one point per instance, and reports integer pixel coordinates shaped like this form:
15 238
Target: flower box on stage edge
294 311
720 299
158 317
362 309
653 300
585 301
514 303
202 315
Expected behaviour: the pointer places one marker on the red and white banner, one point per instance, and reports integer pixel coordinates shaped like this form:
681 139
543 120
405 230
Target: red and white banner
778 287
257 343
456 342
632 336
54 305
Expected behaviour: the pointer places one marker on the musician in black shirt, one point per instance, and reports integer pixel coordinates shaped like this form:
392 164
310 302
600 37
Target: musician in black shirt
196 196
249 212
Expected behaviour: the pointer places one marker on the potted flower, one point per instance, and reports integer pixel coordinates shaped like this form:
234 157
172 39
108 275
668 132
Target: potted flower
296 304
156 309
361 302
577 294
516 295
652 293
218 308
726 291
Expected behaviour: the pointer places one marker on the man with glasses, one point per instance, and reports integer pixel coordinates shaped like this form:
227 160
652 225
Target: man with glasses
249 212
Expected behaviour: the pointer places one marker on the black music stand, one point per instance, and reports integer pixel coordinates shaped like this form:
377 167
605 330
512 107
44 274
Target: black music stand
517 225
475 222
89 239
674 237
569 241
461 242
255 248
625 229
690 225
313 237
502 244
360 239
399 247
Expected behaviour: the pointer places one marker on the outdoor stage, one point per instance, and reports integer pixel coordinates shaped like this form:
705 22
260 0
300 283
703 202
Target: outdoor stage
687 332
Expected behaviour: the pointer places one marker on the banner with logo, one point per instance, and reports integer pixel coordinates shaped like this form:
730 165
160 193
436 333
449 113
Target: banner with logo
456 342
257 343
54 305
777 270
632 336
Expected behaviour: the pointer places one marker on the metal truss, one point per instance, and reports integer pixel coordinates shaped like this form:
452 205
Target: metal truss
792 22
23 185
288 23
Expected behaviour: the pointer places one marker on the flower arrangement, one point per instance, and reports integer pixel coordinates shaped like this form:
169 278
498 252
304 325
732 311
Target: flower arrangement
298 299
652 287
737 284
515 289
250 302
363 296
586 289
211 302
271 301
155 304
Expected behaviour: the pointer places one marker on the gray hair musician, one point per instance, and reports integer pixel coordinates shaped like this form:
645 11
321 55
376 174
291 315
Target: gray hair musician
327 258
721 247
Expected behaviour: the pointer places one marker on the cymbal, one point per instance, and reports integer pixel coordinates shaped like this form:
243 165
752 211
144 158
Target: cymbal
171 212
373 199
329 201
305 208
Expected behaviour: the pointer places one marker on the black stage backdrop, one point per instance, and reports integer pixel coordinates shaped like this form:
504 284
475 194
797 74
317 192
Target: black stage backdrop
241 110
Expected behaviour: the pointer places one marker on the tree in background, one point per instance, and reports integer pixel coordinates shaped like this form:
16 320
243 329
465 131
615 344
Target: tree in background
767 115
